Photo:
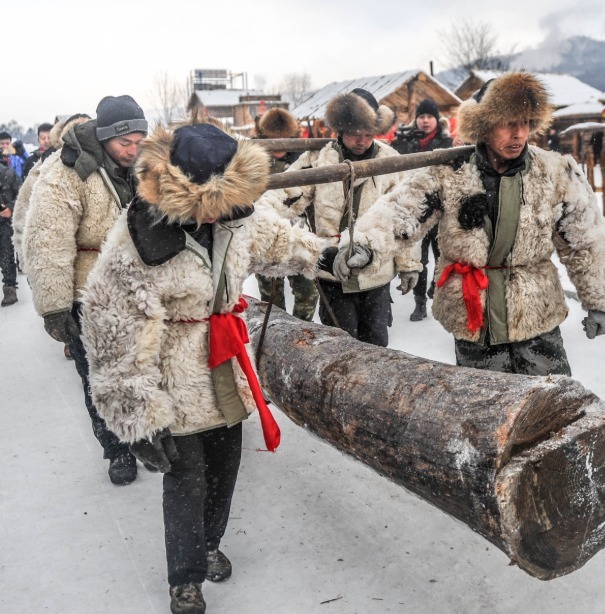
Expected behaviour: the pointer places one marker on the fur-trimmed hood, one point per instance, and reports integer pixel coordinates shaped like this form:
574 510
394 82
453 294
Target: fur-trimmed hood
352 112
277 124
62 127
510 97
181 200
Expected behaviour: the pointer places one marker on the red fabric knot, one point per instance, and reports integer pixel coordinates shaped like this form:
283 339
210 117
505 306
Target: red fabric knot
473 280
228 336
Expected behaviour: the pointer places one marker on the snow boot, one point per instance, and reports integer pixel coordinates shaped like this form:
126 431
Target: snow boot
187 599
420 312
10 296
123 469
219 566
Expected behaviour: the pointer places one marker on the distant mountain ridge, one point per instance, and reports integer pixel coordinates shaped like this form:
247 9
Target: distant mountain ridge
580 56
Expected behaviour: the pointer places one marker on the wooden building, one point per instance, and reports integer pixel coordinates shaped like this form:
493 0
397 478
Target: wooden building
399 91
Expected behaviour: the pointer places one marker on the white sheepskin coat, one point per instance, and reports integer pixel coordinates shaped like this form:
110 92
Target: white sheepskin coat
67 222
558 212
148 369
329 207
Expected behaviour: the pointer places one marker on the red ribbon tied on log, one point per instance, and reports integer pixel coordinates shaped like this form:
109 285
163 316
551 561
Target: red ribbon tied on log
473 280
228 336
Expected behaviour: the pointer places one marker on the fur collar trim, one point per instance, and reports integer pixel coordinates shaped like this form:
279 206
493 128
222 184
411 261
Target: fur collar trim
180 200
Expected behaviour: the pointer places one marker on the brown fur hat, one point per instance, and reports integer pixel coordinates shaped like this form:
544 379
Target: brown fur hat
63 126
510 97
182 198
277 123
358 111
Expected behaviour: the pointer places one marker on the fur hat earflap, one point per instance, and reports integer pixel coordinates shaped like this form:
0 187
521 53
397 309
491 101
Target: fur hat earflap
277 123
198 172
63 126
358 111
510 97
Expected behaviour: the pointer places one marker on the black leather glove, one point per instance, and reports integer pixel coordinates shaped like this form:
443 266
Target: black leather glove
594 323
61 326
159 452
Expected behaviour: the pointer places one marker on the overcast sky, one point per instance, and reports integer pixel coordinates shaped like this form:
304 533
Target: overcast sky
63 56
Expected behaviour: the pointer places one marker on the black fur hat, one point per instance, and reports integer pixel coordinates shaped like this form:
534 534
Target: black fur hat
358 111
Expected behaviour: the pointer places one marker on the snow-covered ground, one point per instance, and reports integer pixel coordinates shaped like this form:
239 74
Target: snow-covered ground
311 530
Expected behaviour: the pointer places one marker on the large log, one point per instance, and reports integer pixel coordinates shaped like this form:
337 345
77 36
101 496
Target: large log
519 459
367 168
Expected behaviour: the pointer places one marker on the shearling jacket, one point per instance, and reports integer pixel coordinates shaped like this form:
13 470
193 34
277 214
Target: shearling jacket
557 210
73 206
146 325
329 206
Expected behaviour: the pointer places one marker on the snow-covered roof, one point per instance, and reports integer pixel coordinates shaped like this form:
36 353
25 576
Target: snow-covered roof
564 89
592 107
224 98
381 86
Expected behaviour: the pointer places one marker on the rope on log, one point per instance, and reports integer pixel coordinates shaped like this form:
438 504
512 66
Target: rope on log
367 168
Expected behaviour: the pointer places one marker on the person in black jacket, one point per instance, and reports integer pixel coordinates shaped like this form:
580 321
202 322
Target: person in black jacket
45 145
427 132
9 188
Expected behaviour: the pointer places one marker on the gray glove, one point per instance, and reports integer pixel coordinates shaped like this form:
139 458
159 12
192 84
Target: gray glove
594 323
159 452
61 326
362 256
408 280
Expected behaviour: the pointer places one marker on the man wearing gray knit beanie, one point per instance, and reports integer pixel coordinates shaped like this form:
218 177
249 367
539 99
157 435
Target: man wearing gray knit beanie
73 206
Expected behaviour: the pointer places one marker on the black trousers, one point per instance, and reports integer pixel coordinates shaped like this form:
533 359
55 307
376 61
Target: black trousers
7 254
197 499
112 446
364 315
429 241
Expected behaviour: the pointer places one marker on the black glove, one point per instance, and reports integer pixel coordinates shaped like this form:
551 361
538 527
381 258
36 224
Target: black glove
61 326
19 148
594 324
159 452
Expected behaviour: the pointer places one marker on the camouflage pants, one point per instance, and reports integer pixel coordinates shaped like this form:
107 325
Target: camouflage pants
304 291
541 355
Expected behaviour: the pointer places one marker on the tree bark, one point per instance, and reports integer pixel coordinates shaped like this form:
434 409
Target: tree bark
519 459
367 168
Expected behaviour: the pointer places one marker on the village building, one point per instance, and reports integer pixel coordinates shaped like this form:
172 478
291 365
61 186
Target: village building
400 91
226 96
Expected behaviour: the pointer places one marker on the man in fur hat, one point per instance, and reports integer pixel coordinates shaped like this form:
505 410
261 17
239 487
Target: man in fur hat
74 203
279 124
170 373
501 215
428 131
361 305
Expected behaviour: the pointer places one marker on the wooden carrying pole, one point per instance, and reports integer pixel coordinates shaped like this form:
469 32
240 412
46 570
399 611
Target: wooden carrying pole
520 460
363 168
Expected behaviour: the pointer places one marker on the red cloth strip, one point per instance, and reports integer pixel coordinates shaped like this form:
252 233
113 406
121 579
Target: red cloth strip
473 280
88 249
228 336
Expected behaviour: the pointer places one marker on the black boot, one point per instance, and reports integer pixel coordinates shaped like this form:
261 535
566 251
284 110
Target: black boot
219 566
10 296
123 469
420 312
187 599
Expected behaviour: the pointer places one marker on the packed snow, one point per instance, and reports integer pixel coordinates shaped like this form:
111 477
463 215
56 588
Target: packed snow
311 530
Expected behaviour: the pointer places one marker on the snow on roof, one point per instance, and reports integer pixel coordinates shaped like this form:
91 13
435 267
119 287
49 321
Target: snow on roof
224 98
564 89
592 107
381 86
